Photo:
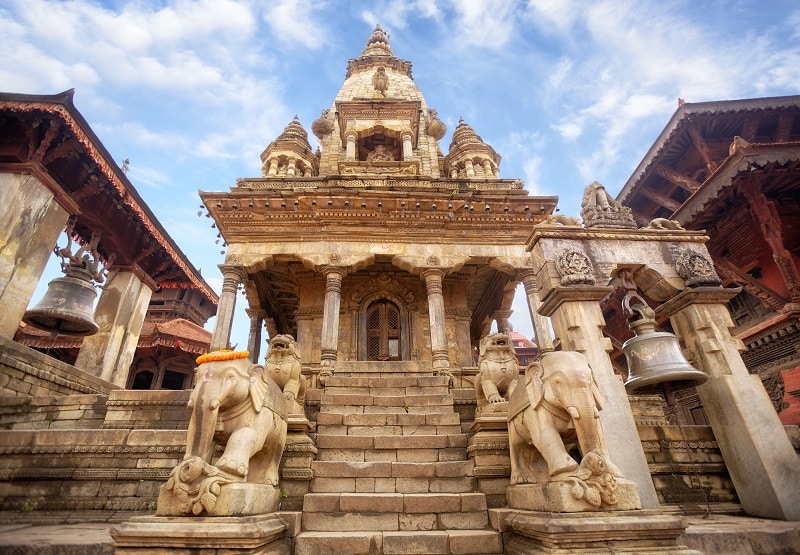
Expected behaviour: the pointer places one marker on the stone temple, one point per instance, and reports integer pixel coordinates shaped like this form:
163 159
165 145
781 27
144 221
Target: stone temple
381 415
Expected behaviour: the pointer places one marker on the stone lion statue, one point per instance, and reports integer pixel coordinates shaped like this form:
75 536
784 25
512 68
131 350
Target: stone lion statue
283 366
498 373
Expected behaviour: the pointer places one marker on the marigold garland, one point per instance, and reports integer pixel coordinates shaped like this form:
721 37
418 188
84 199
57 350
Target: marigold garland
222 354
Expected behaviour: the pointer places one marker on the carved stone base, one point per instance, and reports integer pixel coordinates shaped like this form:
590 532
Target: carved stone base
241 499
560 497
644 532
155 535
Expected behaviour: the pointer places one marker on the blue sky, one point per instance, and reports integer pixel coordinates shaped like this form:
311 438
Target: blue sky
567 91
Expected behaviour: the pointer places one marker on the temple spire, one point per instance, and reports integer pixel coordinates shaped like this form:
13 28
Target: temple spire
378 44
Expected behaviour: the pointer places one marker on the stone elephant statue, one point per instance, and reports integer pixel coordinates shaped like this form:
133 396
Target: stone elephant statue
558 405
236 405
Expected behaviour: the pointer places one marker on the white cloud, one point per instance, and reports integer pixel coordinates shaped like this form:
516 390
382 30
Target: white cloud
553 15
292 22
484 23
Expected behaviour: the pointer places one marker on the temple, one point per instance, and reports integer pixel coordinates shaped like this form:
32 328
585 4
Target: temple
383 404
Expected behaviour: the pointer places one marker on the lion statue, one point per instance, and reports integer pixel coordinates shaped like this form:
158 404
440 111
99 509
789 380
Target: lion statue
498 373
283 366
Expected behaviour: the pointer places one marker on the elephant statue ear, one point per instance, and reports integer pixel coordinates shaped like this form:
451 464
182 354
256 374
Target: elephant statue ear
534 383
258 387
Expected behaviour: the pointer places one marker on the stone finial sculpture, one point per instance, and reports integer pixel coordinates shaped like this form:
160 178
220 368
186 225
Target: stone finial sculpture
498 373
558 403
235 404
283 366
599 209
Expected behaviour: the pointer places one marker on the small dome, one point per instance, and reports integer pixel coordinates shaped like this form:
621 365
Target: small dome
378 44
464 135
294 131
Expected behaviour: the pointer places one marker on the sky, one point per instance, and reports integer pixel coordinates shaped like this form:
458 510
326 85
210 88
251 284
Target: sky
567 91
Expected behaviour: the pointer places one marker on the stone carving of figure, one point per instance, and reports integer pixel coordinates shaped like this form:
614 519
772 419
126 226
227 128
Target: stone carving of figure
380 154
283 366
599 209
380 81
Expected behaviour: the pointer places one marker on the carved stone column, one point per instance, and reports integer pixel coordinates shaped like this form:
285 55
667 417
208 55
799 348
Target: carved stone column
407 147
436 313
254 339
120 314
292 167
757 452
231 278
470 168
32 222
501 317
544 339
350 153
330 317
578 321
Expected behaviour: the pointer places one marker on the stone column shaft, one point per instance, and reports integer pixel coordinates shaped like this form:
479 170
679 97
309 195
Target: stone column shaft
330 316
231 278
501 317
470 168
408 149
578 321
32 221
757 452
436 313
254 339
350 151
544 339
119 314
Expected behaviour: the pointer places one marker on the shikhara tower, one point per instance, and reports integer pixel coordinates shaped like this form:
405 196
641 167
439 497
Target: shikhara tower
376 247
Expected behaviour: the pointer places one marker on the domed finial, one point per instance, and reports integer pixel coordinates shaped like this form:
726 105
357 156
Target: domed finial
378 43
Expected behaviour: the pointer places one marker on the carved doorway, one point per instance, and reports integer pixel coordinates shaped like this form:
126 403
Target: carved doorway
383 331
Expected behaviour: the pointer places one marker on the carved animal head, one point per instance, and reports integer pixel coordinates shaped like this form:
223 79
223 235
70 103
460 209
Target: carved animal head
496 344
282 346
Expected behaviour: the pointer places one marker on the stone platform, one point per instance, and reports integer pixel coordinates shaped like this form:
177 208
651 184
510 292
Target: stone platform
60 533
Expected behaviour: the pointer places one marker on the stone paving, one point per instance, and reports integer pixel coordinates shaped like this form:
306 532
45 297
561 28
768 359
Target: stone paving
62 534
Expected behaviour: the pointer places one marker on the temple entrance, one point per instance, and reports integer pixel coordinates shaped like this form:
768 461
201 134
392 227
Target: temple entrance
383 331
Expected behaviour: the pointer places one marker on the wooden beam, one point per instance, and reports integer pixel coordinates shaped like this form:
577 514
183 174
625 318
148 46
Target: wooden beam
661 199
766 214
676 178
702 147
749 128
766 295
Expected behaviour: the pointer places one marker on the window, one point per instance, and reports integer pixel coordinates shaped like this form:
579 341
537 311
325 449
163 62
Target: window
383 331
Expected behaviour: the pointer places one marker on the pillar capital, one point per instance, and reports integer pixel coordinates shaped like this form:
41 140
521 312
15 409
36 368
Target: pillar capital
696 295
564 294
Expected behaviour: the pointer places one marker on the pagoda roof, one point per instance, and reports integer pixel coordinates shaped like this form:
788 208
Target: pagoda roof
47 136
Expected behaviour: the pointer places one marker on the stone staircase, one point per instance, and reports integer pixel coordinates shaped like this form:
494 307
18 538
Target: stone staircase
392 474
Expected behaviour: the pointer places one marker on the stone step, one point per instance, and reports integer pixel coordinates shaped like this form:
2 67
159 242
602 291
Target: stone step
325 441
378 409
369 484
387 469
379 391
412 503
399 400
392 455
386 381
452 542
387 419
342 430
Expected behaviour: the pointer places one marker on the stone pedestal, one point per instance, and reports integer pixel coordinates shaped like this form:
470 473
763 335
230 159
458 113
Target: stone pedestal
240 499
155 535
488 448
298 454
563 497
645 532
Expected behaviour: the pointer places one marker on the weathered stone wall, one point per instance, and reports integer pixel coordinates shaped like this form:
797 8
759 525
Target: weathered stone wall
154 410
24 371
52 412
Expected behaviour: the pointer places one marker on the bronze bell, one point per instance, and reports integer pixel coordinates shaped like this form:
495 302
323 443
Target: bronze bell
655 359
67 308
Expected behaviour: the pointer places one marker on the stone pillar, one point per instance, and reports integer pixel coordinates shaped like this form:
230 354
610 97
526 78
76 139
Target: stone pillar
501 317
578 321
436 313
231 278
350 153
470 168
119 314
292 167
273 167
453 173
330 316
32 221
408 149
544 339
758 454
254 339
487 168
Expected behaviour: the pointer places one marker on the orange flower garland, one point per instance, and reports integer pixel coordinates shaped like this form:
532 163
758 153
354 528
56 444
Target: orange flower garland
222 354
